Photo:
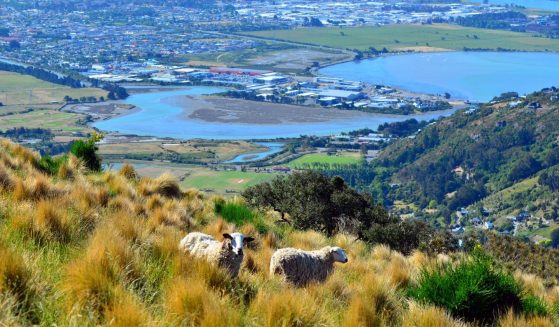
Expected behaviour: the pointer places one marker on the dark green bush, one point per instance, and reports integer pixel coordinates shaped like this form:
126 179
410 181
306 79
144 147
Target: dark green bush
534 306
50 165
87 151
474 290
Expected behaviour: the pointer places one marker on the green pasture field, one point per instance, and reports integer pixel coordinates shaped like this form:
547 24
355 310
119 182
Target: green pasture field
310 160
437 37
222 181
18 89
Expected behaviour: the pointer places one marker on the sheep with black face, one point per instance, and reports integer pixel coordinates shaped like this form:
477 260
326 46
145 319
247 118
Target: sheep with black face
227 254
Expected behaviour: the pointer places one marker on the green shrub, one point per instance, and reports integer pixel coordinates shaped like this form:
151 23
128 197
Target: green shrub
234 213
87 151
50 165
239 214
534 306
474 290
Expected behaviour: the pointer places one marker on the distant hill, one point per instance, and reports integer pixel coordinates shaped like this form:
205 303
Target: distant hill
481 154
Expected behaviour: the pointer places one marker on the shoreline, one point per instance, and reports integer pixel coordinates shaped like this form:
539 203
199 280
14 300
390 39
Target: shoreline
188 115
220 109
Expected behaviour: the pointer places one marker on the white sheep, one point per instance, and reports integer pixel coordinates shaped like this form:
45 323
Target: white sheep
227 254
300 267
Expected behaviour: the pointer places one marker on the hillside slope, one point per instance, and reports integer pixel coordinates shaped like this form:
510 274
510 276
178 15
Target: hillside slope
476 153
84 249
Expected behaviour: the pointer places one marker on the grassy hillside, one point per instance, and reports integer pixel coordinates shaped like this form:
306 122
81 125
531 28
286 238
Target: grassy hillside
80 248
494 154
17 89
33 103
414 37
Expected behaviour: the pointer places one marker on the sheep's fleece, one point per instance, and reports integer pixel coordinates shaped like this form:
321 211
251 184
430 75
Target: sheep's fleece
300 267
227 254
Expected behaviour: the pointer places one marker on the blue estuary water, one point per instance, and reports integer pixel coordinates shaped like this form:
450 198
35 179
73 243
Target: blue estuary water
272 148
474 76
157 117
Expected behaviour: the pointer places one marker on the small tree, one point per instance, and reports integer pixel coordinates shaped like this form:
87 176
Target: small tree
87 151
313 201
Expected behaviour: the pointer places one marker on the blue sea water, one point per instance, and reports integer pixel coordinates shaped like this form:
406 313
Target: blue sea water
474 76
534 4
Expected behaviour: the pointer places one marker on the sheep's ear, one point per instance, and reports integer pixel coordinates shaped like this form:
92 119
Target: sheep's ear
226 235
249 239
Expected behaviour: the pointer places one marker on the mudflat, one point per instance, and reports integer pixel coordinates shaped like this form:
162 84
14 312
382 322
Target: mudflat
228 110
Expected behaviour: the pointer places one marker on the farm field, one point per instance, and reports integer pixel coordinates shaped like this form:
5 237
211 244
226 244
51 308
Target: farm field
272 56
438 37
207 151
18 89
222 182
55 120
310 160
191 176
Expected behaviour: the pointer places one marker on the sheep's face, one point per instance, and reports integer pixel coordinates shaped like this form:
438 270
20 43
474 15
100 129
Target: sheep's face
236 241
339 254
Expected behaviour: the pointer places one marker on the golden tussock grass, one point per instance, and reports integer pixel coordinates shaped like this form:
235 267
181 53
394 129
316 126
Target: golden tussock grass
35 187
6 181
190 302
287 308
132 230
399 271
128 172
377 304
418 260
110 251
217 228
45 221
192 194
65 171
334 292
95 281
165 242
126 311
26 156
76 164
119 263
381 253
14 275
512 320
169 215
165 185
154 202
428 316
307 240
8 161
118 184
270 240
50 222
122 203
531 283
